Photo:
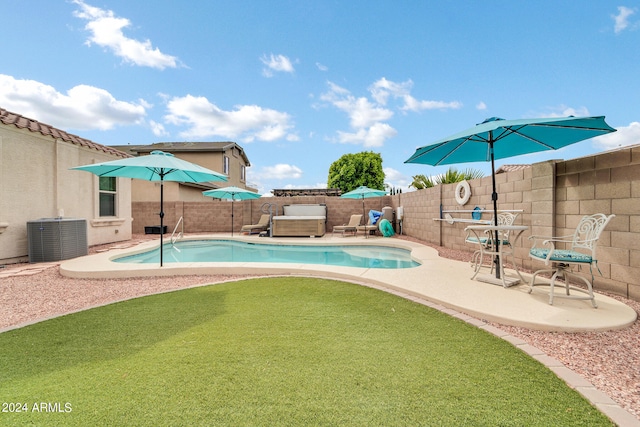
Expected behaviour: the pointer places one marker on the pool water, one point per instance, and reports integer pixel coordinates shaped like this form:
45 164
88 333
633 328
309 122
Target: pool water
234 251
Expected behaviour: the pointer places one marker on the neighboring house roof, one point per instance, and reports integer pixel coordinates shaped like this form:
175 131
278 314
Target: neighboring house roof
176 147
21 122
511 168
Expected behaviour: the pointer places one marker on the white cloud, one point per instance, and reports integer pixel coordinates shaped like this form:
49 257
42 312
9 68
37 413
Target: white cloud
365 118
322 67
396 179
362 113
368 117
268 177
304 186
412 104
278 63
481 106
625 135
621 20
246 122
106 31
393 174
374 136
562 111
280 171
382 89
83 107
158 129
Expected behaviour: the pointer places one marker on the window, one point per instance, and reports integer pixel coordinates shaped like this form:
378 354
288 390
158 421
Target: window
243 171
107 196
225 167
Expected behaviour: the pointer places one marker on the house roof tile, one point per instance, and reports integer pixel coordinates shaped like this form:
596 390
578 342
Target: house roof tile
511 168
21 122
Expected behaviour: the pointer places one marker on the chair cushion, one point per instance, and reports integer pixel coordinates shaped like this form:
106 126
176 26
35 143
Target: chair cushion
561 255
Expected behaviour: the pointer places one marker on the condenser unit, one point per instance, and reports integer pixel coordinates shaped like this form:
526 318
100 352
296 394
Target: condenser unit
55 239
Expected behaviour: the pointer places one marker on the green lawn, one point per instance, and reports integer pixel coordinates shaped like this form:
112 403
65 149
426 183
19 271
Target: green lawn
271 352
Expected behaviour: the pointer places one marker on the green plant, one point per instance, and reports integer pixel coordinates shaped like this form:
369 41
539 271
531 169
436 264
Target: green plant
453 175
421 182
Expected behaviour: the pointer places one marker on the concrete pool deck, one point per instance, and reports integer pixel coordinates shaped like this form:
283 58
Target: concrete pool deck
437 280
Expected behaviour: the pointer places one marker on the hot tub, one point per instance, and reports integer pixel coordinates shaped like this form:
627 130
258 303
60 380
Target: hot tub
300 221
298 226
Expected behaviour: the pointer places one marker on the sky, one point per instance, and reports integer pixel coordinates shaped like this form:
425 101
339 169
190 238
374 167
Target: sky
300 83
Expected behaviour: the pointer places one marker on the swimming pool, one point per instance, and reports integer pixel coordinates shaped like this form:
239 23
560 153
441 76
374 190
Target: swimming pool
236 251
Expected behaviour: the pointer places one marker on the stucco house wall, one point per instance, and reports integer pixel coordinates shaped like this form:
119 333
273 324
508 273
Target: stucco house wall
210 155
35 182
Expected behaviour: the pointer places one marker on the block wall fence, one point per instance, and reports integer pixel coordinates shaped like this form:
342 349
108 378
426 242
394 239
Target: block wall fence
552 197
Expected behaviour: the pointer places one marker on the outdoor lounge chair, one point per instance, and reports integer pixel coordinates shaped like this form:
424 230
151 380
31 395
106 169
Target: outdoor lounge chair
261 226
354 221
564 260
367 229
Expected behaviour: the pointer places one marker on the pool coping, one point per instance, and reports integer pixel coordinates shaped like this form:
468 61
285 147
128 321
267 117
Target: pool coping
439 280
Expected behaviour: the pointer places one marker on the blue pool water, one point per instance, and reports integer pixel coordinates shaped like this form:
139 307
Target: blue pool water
234 251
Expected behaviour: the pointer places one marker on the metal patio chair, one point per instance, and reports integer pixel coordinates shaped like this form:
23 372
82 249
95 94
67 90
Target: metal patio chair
582 252
486 242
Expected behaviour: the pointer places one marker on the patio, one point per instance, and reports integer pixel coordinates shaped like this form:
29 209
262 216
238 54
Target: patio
449 284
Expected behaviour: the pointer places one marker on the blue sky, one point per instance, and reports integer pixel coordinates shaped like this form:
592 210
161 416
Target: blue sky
300 83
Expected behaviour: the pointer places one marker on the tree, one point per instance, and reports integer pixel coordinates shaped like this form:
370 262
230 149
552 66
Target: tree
353 170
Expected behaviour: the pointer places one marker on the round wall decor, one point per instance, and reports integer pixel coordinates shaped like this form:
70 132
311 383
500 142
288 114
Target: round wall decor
463 192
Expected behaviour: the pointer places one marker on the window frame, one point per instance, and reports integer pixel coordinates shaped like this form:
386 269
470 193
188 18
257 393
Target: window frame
104 210
226 164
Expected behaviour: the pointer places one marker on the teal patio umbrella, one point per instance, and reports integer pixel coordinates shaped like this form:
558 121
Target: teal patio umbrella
497 138
363 192
231 193
157 166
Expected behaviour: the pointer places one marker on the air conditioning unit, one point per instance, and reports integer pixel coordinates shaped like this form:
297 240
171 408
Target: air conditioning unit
56 239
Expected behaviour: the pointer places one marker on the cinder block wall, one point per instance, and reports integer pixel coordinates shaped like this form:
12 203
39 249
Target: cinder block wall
552 197
608 183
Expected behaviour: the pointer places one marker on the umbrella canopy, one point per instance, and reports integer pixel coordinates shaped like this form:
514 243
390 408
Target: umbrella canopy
157 166
231 193
363 192
497 138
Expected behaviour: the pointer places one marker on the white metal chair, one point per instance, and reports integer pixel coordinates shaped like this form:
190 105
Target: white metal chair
486 242
582 251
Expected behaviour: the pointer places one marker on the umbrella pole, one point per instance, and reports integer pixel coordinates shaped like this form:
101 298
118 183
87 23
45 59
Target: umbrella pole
364 218
161 214
494 197
232 215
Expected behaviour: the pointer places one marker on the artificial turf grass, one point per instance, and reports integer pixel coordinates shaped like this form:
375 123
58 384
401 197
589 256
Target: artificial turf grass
278 351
